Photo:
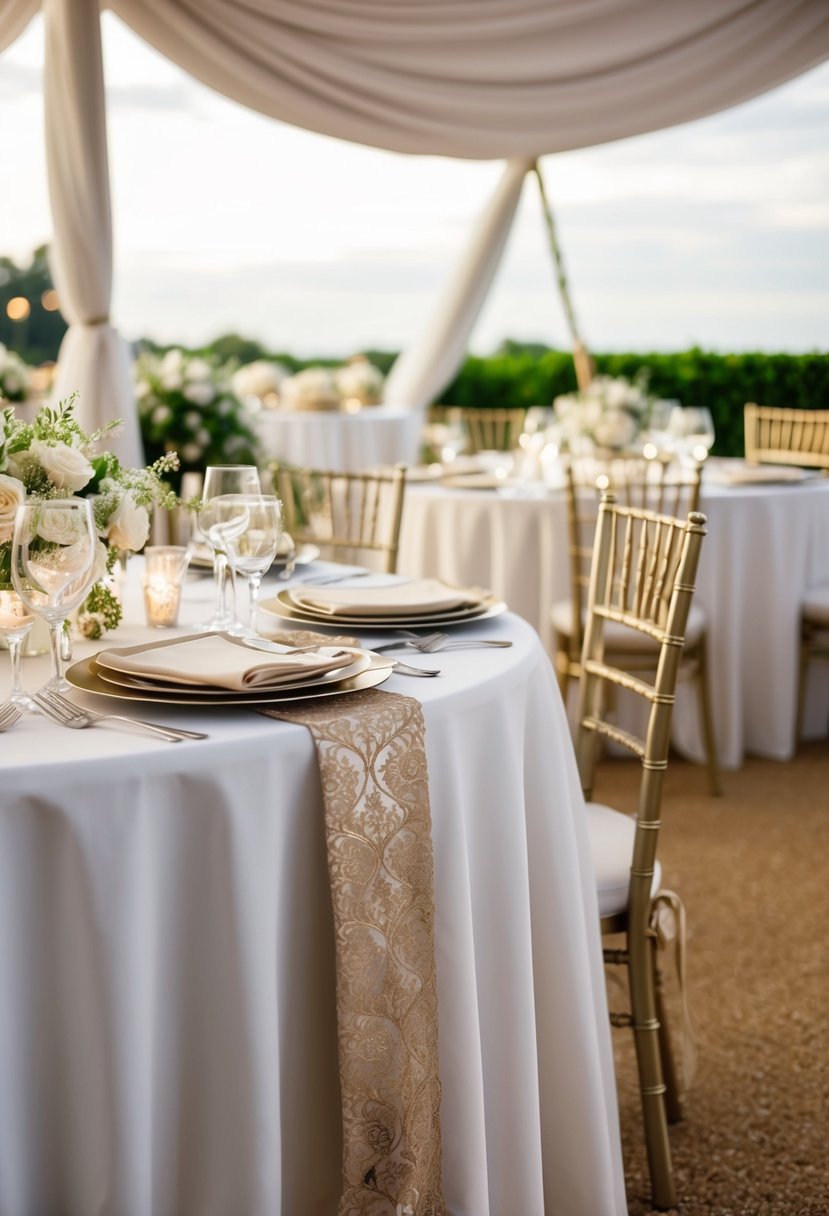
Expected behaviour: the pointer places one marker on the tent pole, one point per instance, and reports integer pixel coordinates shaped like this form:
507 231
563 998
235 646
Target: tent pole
585 367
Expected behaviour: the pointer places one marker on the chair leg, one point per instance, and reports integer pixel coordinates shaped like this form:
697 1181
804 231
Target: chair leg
801 690
707 721
651 1083
673 1101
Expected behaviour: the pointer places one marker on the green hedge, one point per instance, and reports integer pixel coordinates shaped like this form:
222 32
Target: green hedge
695 377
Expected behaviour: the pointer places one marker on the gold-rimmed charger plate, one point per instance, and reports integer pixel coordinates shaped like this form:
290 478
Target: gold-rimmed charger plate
361 661
281 607
85 676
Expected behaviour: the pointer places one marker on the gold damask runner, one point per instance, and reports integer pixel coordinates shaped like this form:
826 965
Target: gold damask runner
372 759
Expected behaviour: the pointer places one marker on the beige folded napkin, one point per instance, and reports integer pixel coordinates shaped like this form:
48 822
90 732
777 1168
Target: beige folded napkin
220 661
427 595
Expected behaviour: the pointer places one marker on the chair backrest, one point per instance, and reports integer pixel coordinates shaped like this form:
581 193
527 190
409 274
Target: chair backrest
649 592
660 484
485 430
774 435
352 517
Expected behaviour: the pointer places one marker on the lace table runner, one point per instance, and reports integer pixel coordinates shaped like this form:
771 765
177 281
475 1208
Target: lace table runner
372 758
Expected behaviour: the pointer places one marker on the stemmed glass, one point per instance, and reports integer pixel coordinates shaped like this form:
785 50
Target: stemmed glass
692 430
219 480
52 564
250 526
15 622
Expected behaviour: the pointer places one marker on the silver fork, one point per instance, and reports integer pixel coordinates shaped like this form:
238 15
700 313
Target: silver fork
66 713
442 641
413 642
9 714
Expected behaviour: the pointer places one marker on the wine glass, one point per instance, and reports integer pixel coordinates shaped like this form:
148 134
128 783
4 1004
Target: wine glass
692 430
250 526
222 479
52 565
15 622
658 431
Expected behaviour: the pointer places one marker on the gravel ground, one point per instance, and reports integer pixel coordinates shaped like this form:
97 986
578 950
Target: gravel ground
752 870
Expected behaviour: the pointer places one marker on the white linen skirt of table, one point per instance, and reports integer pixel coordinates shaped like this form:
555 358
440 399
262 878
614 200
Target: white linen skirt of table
167 1030
347 443
765 547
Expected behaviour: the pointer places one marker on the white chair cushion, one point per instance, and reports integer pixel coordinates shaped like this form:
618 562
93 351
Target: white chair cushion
611 847
816 606
619 637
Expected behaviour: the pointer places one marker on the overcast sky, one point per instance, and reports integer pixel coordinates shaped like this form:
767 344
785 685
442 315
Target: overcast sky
715 233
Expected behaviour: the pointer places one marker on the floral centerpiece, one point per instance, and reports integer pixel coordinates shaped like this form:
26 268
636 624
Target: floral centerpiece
52 457
360 381
187 404
14 375
610 413
262 380
314 388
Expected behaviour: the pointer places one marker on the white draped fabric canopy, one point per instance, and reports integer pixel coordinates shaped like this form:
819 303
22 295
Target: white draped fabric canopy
466 78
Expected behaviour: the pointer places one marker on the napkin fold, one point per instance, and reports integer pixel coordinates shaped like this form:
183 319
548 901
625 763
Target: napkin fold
219 661
426 595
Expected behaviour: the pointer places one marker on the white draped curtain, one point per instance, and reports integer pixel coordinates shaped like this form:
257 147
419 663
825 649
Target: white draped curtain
487 79
94 359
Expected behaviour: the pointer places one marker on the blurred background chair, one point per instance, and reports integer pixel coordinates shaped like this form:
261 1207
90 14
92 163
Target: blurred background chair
814 645
774 435
481 430
649 596
661 485
352 517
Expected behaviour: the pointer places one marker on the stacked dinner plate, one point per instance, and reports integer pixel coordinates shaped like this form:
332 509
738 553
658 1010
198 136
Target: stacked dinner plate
423 602
217 669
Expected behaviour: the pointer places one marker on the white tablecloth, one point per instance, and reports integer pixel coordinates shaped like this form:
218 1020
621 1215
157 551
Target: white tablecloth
378 435
167 1027
766 546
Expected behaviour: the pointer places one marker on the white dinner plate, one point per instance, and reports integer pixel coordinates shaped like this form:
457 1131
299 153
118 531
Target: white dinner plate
85 676
281 607
201 557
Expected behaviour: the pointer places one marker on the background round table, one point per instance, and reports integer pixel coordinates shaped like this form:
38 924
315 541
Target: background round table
377 435
167 1030
766 546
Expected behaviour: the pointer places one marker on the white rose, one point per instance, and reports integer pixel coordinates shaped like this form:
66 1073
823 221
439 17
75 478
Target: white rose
171 369
67 468
162 414
191 452
200 392
129 525
12 494
193 419
62 527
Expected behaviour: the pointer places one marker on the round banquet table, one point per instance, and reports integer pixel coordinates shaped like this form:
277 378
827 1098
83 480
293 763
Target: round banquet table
167 1030
346 443
766 545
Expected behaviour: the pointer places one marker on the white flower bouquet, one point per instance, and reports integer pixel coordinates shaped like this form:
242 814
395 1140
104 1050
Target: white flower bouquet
260 379
14 375
610 413
314 388
52 457
187 404
359 380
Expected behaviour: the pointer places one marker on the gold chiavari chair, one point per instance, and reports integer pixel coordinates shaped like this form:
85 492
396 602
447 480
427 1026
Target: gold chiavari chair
774 435
661 485
642 580
486 430
352 517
